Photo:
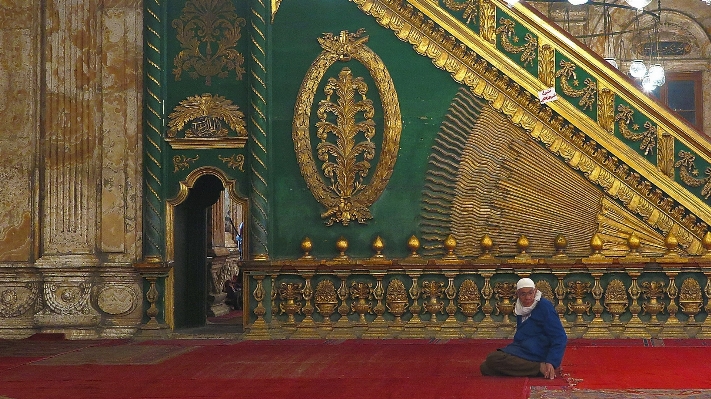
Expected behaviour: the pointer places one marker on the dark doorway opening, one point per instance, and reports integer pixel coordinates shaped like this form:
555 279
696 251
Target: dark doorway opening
191 243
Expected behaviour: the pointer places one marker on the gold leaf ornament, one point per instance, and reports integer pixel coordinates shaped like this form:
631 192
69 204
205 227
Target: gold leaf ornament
205 115
345 130
208 32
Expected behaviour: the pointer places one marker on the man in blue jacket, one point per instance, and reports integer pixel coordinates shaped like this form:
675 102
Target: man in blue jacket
539 343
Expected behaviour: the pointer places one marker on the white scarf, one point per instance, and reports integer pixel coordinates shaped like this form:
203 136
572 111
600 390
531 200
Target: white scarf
525 311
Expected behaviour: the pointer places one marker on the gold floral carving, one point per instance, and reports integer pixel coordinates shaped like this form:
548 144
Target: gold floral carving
205 115
487 21
546 65
552 131
207 119
527 51
688 173
606 110
690 297
236 161
586 94
648 138
208 32
616 300
546 290
470 8
325 298
665 153
181 162
396 291
345 146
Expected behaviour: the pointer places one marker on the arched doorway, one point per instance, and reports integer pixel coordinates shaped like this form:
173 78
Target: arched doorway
203 243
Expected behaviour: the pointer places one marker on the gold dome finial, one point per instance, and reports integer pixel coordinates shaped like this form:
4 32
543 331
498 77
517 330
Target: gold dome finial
560 243
633 244
306 248
522 244
378 247
706 244
413 244
596 244
486 244
342 247
449 245
671 243
672 255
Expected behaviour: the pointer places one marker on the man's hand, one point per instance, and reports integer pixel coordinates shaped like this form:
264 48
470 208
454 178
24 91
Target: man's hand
548 371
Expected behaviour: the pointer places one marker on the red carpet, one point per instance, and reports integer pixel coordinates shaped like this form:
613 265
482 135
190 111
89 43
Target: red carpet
673 366
375 369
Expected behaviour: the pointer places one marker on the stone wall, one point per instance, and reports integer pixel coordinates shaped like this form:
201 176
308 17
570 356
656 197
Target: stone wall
70 230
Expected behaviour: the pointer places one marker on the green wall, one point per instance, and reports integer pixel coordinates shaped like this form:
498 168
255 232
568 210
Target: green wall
424 94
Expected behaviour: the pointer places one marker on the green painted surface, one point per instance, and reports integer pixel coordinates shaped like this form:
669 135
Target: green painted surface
424 94
228 84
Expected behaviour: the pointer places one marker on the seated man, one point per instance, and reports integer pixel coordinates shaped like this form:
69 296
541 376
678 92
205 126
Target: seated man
539 343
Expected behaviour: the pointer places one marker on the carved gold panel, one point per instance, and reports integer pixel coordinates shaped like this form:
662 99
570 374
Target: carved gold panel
345 130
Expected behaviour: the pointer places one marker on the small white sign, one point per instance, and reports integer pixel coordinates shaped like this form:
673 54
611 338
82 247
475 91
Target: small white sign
547 95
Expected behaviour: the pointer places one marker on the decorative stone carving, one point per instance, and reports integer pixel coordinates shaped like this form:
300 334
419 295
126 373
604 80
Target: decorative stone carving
117 299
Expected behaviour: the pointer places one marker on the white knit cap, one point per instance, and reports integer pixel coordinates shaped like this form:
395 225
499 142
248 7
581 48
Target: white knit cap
525 283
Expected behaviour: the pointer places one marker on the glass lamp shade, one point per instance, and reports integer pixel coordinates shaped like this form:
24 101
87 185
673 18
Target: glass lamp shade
638 4
578 2
637 69
656 73
612 61
648 83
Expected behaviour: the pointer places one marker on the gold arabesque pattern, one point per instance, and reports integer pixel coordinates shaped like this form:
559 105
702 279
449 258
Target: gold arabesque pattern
208 32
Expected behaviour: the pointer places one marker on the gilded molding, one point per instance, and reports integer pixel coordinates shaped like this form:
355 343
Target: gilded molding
606 110
579 152
487 17
546 65
665 154
340 186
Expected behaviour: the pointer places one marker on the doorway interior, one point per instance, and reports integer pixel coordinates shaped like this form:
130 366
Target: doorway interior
208 236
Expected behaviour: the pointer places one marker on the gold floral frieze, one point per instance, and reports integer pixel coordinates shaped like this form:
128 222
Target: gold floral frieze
647 138
689 173
236 161
345 132
206 121
509 40
469 8
208 32
586 94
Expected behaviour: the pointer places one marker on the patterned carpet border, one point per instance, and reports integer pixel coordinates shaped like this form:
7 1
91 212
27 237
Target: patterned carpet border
128 355
546 393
